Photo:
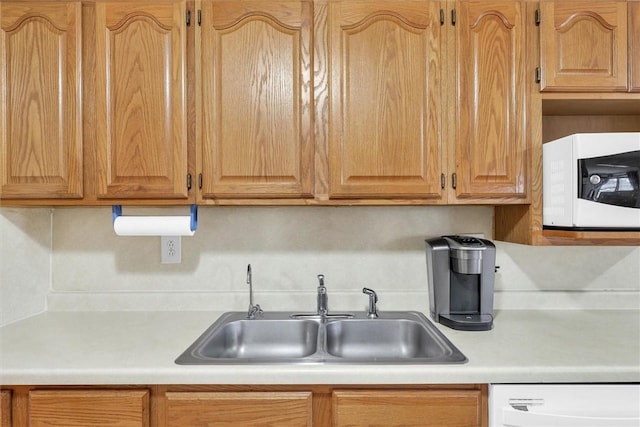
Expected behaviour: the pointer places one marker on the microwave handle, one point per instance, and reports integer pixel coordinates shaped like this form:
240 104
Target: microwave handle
512 417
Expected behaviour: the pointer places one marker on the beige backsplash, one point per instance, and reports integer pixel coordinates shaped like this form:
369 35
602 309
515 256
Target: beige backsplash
70 259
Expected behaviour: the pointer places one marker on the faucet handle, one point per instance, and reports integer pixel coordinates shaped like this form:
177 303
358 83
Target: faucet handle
253 309
373 299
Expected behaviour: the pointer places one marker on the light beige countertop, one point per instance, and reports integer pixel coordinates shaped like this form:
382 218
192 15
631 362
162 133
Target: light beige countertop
525 346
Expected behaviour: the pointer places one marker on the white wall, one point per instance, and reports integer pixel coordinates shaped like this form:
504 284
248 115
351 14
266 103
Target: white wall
377 247
25 254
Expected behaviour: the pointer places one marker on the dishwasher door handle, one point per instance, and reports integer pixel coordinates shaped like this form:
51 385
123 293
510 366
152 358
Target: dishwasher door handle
512 417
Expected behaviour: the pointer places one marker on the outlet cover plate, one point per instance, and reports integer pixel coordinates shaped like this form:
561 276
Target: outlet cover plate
171 249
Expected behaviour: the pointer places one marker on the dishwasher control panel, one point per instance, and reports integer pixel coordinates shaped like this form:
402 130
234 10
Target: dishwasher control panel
564 405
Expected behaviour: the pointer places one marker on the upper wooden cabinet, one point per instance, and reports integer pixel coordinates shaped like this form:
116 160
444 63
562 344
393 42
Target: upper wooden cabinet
140 100
257 105
122 408
490 140
583 45
634 46
40 100
385 100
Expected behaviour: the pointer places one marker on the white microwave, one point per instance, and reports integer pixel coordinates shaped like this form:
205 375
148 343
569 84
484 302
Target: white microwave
591 181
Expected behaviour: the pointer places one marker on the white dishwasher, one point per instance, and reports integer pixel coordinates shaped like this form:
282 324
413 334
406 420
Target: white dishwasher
564 405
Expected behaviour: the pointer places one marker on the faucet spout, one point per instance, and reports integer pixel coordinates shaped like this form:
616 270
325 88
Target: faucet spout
373 299
323 299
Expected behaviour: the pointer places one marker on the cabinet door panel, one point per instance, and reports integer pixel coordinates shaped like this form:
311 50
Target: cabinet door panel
5 408
491 140
257 107
634 46
40 106
140 96
583 46
407 408
385 100
117 408
239 409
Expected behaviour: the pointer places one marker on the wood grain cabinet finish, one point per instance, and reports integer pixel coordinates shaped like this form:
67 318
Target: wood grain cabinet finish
5 408
257 106
141 124
407 408
385 101
490 141
40 106
583 46
634 46
87 408
239 409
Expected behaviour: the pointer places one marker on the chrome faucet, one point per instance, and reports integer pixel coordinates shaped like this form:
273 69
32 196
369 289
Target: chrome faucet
323 299
253 309
373 299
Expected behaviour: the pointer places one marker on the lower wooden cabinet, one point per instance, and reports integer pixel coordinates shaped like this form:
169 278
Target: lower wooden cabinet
245 406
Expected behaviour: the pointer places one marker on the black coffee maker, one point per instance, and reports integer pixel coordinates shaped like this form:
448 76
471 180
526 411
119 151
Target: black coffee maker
461 272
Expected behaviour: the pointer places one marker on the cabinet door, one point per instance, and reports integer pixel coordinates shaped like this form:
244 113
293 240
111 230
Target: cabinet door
5 408
490 143
40 105
385 100
583 46
100 408
634 46
239 409
407 408
257 133
141 131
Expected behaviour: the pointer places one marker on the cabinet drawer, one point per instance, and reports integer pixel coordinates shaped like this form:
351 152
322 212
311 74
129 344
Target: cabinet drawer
239 409
424 408
121 408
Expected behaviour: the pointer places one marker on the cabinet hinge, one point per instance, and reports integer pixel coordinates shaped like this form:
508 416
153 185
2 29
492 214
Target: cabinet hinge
199 17
188 18
188 181
453 17
454 180
443 180
538 75
441 16
200 181
536 17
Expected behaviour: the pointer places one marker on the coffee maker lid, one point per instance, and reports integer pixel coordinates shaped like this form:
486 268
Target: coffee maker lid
467 242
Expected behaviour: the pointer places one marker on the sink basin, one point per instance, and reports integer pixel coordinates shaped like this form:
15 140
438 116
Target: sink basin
284 337
383 338
234 337
262 339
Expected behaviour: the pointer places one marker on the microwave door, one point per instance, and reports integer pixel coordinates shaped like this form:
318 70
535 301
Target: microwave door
611 180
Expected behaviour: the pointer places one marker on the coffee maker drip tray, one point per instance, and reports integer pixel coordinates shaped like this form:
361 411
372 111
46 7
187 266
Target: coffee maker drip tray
467 322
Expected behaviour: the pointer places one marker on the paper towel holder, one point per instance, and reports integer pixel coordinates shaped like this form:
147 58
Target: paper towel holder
116 211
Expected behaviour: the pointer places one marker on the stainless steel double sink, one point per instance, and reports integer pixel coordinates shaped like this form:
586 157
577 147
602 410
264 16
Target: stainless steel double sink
403 337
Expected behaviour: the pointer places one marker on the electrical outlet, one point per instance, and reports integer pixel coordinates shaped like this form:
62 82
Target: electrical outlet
171 249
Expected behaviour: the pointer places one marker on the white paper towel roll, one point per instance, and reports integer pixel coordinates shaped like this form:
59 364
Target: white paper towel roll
153 226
